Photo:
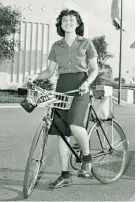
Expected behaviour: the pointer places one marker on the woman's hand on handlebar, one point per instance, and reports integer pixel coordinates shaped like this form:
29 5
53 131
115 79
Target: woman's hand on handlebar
31 79
35 78
84 88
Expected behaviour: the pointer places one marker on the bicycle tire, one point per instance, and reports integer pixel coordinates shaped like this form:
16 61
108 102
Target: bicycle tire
108 171
27 189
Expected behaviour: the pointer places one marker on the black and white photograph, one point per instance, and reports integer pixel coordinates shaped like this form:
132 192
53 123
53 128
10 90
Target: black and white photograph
67 100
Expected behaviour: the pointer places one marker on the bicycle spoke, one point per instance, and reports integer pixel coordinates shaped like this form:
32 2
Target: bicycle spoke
104 139
118 153
33 174
118 143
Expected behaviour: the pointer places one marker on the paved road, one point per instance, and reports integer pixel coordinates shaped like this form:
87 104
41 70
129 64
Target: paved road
16 132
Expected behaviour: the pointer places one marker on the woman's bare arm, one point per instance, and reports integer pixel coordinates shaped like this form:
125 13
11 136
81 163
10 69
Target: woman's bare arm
48 72
94 70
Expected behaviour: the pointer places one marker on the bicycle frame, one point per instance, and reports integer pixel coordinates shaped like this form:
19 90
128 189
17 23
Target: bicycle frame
60 131
66 124
50 117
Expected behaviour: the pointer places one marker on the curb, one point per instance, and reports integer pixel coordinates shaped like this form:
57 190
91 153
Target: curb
17 105
12 105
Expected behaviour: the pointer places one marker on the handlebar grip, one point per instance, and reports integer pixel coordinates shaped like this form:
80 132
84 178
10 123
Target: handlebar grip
73 92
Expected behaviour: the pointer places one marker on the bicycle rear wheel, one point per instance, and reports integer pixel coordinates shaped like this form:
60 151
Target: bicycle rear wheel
35 159
108 164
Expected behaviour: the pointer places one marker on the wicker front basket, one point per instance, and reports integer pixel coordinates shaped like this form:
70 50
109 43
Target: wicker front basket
52 99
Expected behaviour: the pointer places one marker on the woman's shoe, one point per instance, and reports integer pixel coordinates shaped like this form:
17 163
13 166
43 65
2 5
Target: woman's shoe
85 170
60 182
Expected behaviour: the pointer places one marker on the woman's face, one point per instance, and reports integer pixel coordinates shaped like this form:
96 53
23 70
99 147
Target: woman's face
69 23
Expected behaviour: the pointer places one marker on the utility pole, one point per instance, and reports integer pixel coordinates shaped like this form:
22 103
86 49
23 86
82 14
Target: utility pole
120 55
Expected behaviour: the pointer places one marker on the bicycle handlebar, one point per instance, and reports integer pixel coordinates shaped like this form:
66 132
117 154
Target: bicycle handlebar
95 93
52 99
34 85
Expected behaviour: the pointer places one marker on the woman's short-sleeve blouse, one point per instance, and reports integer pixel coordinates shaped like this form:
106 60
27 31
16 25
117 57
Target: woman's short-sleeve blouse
75 58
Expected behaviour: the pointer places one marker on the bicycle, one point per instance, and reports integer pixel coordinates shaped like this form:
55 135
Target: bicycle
107 140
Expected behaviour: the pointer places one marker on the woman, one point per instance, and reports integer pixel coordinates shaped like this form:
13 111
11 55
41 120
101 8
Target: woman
73 55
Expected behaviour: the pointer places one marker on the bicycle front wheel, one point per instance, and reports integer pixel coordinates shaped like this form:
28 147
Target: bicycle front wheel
108 162
35 159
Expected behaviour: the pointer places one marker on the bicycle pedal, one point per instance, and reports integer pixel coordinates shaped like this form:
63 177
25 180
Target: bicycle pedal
76 146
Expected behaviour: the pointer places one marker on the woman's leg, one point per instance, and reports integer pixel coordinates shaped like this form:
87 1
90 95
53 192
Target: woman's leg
64 179
63 153
81 136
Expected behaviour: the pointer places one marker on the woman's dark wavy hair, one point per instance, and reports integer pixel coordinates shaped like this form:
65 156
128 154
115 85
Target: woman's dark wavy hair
66 12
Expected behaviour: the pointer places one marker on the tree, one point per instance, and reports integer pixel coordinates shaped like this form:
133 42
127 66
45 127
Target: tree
123 81
9 22
103 55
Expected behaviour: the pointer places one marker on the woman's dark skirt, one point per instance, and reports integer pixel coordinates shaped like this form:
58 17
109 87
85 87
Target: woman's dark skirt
75 115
